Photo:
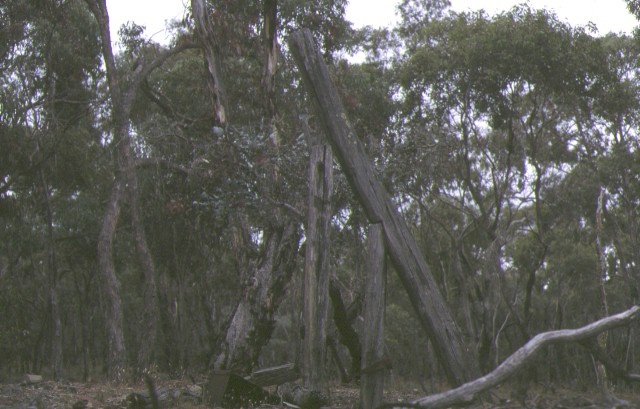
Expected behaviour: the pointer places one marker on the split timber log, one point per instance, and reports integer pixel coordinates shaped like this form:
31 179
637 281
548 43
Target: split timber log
317 267
458 360
374 362
467 393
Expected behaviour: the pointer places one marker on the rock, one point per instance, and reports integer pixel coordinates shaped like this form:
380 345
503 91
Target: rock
31 379
194 390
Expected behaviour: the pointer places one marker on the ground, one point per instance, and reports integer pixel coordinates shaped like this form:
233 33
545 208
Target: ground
185 394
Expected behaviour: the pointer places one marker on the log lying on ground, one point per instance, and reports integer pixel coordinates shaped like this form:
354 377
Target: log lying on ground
276 375
468 392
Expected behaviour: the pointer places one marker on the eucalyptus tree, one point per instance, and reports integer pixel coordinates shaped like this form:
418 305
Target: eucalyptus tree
49 56
617 111
122 91
491 115
232 188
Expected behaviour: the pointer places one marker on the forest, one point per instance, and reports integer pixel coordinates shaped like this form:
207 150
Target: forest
157 200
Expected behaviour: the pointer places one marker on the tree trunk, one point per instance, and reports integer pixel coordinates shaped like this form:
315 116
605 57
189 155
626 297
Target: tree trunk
601 278
51 265
457 359
372 381
111 286
253 321
52 273
317 268
269 36
125 178
150 334
204 29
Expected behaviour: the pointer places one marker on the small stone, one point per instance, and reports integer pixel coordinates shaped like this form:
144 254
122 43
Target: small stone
31 379
194 390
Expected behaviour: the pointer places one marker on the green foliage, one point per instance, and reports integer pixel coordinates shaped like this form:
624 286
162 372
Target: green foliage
325 18
634 7
405 341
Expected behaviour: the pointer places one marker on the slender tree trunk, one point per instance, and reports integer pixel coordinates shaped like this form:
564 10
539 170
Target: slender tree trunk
151 314
52 272
601 277
111 286
125 178
52 265
82 288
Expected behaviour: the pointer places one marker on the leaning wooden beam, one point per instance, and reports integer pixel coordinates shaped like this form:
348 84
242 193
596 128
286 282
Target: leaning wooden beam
458 361
468 392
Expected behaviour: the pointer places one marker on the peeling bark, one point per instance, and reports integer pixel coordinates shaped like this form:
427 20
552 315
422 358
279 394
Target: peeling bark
204 29
253 321
270 39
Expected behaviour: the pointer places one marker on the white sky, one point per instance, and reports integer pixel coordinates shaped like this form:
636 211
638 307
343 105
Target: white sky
608 15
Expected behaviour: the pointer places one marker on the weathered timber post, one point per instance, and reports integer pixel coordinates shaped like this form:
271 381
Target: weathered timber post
372 374
316 267
457 359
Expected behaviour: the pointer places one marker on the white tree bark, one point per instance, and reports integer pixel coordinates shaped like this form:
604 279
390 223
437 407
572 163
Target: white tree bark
204 29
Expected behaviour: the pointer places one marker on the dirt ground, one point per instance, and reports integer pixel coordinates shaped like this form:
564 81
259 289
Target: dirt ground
186 394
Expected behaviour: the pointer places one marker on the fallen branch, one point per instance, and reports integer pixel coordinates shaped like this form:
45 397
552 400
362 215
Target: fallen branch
276 375
467 393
